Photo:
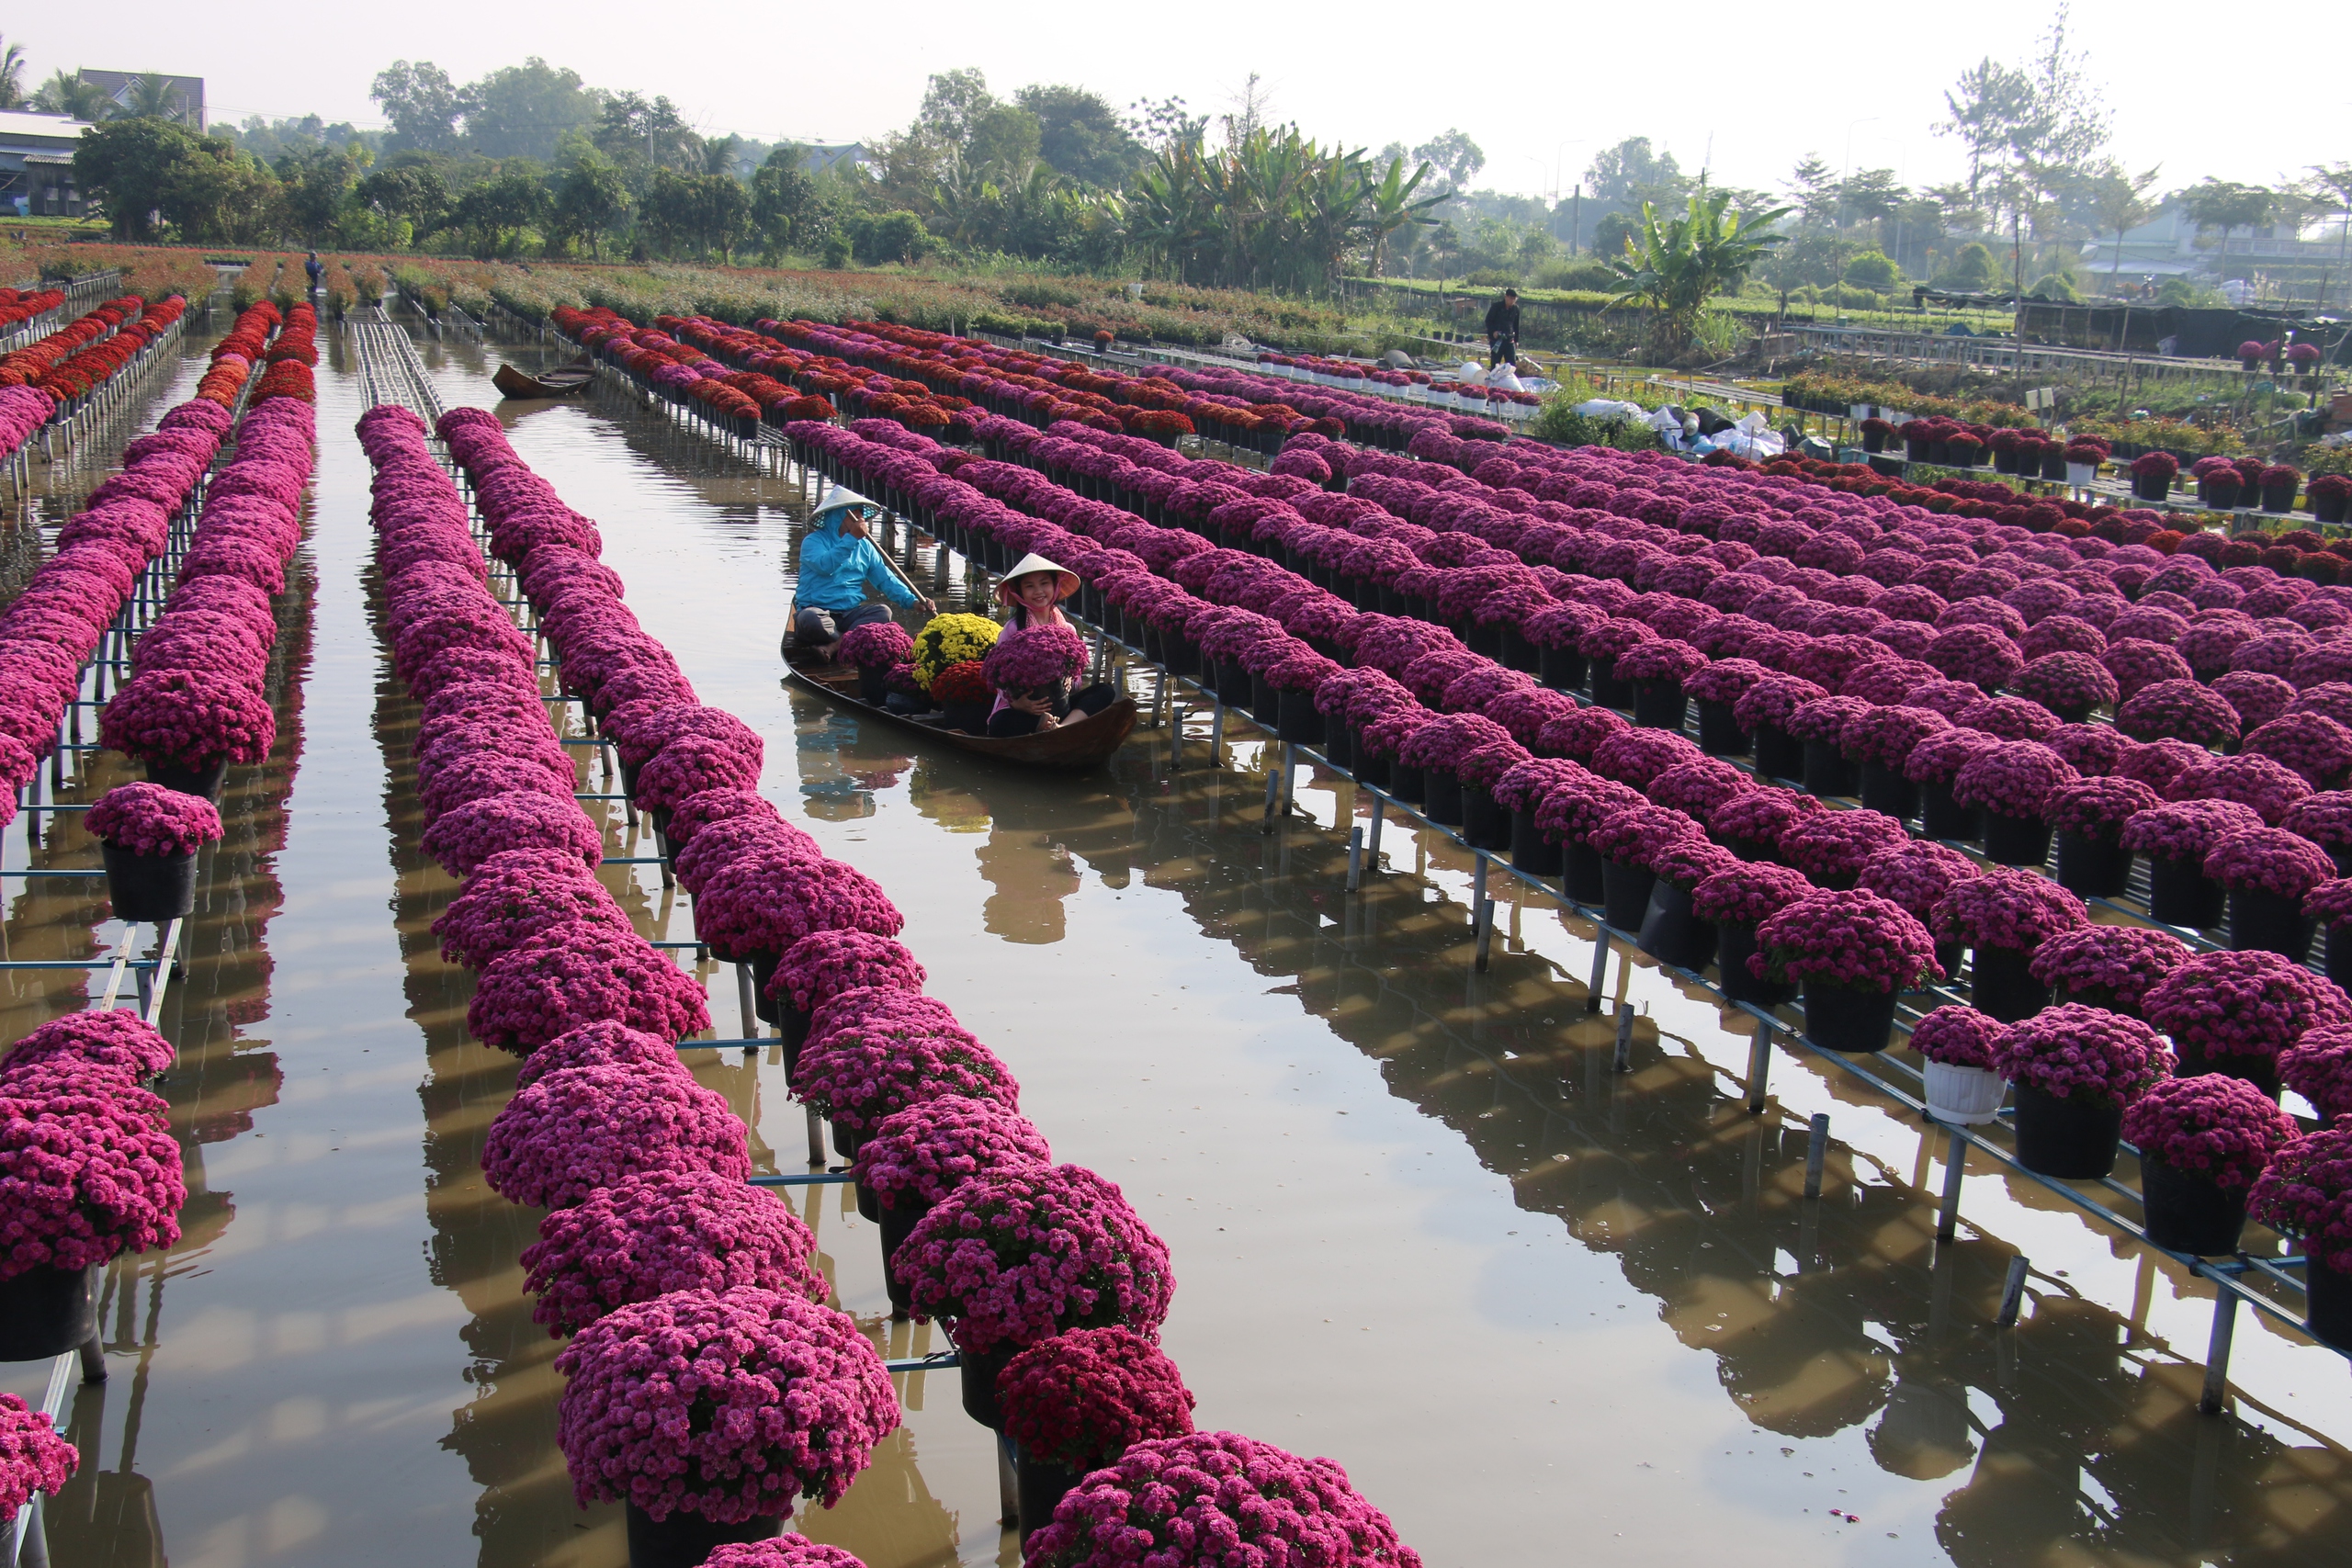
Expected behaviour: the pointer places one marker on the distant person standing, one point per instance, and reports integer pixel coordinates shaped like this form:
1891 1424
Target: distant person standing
316 268
1502 330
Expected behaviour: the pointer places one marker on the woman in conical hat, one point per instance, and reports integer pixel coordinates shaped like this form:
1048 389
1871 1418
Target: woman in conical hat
838 565
1034 591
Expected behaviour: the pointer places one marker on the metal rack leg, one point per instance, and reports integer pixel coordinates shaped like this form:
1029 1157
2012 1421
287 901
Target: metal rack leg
2216 1397
1955 1170
1759 1066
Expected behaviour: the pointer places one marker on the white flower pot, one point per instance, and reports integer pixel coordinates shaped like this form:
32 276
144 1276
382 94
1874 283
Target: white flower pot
1964 1094
2080 475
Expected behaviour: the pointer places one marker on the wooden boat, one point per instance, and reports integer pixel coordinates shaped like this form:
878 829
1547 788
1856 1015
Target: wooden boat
1085 744
569 381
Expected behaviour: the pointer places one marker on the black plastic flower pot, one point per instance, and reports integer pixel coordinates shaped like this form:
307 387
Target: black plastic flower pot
1561 669
1608 691
897 1223
762 962
205 781
1734 944
1941 816
1485 825
46 1311
979 1373
1719 733
1299 718
2016 840
1670 932
2150 487
2262 921
1837 1018
2260 1069
1625 894
1406 783
2329 1303
2331 508
971 717
2279 499
1533 853
1581 875
1826 770
869 1207
1265 703
2339 954
155 889
2070 1138
1041 1484
1231 683
1778 754
873 684
1520 654
1442 796
1948 958
1486 641
2180 894
1661 705
686 1540
791 1028
2105 998
2188 1211
1183 655
2002 987
1339 744
2096 868
1886 791
1374 768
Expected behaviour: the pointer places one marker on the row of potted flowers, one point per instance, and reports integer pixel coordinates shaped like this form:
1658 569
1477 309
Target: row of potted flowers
26 366
862 1045
1862 946
75 377
20 305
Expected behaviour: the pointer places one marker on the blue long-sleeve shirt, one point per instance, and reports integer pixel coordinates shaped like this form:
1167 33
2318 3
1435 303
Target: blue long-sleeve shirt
836 570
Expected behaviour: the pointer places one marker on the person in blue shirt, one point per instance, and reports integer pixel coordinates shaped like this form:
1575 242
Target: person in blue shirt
838 564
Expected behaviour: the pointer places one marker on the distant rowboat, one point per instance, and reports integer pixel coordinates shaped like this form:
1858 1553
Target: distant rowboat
569 381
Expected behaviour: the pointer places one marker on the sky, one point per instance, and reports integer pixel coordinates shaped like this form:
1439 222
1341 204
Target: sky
1539 89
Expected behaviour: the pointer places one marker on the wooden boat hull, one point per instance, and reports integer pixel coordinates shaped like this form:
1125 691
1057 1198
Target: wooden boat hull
1086 744
565 383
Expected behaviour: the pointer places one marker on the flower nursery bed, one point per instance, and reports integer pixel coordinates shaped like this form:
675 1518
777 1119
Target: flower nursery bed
565 982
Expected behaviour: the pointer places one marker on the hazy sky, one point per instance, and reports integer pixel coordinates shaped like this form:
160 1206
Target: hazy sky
1539 89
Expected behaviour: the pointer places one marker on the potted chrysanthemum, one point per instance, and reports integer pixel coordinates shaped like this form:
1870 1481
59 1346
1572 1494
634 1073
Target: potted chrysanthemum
1628 842
1735 901
2267 871
2011 784
1881 739
1816 724
1021 1254
2004 916
1917 875
823 965
2075 1069
33 1458
578 1129
1658 670
1717 689
2151 474
2202 1142
148 837
1854 954
2306 1193
2176 837
2069 684
661 1231
2319 1067
1961 1085
1570 813
2233 1012
1933 764
918 1154
2331 902
1670 932
1763 710
1074 1403
1519 790
1832 847
876 648
2088 817
856 1076
708 1413
2106 967
1214 1498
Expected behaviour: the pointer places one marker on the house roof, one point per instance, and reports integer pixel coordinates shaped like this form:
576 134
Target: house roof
21 132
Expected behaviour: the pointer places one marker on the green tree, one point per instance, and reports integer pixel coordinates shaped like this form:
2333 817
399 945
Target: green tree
1873 270
409 187
1676 265
1972 271
140 169
315 183
522 111
2225 204
1870 195
2120 201
1003 137
421 102
498 210
1081 136
788 210
889 237
591 202
1812 190
1455 155
12 75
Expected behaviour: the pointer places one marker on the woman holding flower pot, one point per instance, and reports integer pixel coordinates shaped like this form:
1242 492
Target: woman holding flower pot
1854 954
2075 1069
2202 1142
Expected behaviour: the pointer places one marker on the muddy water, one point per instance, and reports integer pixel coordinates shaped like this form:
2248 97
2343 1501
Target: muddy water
1536 1308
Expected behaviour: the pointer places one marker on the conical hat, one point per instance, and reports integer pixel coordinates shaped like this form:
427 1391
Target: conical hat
1035 562
840 498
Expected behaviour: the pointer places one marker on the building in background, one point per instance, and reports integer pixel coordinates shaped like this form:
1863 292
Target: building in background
37 166
152 92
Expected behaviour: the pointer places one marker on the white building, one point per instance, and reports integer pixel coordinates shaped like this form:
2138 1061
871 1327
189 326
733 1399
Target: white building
37 166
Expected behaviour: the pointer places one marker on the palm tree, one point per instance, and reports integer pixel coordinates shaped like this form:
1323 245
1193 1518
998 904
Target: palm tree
152 97
1676 266
74 98
12 75
1391 205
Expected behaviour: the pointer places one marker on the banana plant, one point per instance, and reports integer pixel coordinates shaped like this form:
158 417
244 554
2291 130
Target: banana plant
1676 265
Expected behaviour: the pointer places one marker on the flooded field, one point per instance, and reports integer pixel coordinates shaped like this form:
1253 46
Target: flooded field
1540 1310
